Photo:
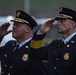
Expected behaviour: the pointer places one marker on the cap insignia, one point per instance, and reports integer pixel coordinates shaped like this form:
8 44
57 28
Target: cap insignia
60 9
18 13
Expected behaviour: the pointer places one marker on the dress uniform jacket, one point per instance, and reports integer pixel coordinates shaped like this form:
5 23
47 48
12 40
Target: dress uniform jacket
61 60
18 62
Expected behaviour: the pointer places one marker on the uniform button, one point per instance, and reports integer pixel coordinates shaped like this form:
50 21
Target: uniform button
2 72
5 55
10 66
5 65
57 59
8 73
54 67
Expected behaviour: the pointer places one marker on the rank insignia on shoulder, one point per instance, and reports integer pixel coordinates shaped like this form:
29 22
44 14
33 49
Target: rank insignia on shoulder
25 57
66 56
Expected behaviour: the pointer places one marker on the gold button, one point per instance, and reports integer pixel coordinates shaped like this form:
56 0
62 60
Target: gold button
5 55
57 59
13 44
54 67
5 65
26 46
8 73
2 72
68 45
10 66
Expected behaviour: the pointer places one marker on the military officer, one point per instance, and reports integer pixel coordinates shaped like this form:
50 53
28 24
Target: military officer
14 55
61 57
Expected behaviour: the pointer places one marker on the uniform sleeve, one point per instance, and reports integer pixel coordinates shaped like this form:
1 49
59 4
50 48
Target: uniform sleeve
36 50
37 41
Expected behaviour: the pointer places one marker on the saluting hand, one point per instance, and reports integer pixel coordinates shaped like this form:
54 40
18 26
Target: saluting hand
47 26
3 29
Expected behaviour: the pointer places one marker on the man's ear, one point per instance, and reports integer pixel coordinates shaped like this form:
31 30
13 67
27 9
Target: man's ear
72 24
27 29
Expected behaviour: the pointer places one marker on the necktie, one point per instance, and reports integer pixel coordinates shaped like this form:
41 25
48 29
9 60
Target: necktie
16 48
62 43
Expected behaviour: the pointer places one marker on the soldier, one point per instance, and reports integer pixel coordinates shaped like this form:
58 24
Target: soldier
14 55
61 57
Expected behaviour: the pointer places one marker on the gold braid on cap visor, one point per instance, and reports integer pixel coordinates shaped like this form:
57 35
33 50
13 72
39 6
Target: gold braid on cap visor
21 20
64 16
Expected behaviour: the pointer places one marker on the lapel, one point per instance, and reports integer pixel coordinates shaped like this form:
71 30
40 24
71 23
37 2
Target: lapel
24 48
66 46
11 48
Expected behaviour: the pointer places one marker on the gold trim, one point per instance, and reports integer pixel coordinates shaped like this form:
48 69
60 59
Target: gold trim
36 44
21 20
64 16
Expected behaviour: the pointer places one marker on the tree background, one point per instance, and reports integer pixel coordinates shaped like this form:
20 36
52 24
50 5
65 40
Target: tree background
38 8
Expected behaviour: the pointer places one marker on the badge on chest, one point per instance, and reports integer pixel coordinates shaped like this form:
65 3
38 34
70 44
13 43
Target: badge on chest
66 56
25 57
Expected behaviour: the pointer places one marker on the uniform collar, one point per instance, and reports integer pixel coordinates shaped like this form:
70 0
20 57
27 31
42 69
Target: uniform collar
68 38
24 42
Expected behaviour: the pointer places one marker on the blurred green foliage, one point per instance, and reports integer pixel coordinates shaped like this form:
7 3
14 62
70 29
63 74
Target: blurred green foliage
38 8
52 4
38 4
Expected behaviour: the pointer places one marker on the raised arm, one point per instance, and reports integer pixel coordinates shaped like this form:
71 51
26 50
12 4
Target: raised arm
46 27
3 30
37 51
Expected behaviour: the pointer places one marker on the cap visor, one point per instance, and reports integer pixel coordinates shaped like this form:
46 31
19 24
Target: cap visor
13 20
16 21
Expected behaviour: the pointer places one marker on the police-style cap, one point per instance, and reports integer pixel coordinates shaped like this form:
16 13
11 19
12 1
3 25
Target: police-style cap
66 13
23 17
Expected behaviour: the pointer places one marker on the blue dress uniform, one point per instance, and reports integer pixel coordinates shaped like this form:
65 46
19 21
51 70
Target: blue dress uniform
61 60
15 63
18 62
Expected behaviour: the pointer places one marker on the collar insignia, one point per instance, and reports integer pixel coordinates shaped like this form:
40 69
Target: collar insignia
72 41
